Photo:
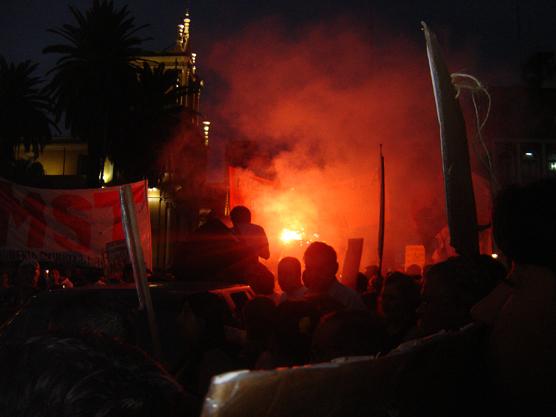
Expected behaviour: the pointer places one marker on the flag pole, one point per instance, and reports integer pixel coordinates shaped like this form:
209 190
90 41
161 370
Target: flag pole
135 250
381 215
458 185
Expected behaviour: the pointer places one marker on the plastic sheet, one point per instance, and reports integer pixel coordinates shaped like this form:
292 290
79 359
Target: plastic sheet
437 375
363 387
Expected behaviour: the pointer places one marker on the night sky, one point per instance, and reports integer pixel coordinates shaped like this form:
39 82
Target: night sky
499 31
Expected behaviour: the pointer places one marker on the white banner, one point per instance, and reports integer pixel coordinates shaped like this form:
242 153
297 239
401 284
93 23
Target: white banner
67 226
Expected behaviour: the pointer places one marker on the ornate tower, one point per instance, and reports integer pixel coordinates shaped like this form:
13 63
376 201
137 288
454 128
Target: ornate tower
181 60
181 188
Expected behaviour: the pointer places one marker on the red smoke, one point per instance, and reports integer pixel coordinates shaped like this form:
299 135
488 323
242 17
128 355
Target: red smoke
333 95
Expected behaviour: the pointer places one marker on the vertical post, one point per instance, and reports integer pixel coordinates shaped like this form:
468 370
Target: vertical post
64 162
133 241
381 215
460 199
159 231
169 238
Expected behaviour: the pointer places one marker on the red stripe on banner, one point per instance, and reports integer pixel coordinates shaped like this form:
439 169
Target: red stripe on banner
61 224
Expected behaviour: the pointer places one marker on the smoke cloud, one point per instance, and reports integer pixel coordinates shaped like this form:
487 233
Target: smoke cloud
326 96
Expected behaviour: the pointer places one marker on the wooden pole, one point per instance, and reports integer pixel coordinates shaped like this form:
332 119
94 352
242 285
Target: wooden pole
381 215
460 200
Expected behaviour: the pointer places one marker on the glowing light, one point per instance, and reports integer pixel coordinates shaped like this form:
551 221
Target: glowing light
153 193
108 171
288 236
494 256
552 166
206 128
529 154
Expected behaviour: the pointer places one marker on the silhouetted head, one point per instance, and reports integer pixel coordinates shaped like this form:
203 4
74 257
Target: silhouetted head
452 287
321 265
361 282
65 376
289 274
414 270
375 278
399 299
240 215
261 279
524 224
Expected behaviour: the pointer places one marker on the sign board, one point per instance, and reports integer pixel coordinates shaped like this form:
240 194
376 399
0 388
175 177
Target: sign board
414 255
70 227
352 262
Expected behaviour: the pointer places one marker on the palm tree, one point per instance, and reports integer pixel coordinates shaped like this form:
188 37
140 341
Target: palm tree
24 112
154 119
94 80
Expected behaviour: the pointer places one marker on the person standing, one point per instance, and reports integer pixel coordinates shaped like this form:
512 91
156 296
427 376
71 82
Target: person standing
251 235
289 279
253 244
321 266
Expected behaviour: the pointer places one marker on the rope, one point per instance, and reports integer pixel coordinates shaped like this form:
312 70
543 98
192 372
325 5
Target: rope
470 83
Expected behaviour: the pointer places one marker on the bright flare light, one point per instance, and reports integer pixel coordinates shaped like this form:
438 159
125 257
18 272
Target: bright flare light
288 235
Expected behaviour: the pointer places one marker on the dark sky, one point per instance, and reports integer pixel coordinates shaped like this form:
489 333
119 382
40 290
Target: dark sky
498 31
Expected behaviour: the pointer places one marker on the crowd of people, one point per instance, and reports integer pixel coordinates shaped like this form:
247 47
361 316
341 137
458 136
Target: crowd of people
22 280
306 315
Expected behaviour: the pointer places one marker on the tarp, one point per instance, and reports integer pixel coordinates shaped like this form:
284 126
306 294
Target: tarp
355 388
67 226
437 375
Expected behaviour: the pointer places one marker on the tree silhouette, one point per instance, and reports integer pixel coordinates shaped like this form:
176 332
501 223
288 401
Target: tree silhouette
24 112
94 81
154 119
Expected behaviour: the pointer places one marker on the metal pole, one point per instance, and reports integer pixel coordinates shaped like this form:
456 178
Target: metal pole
133 241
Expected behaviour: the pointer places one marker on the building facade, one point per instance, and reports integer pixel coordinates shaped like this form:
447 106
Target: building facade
175 197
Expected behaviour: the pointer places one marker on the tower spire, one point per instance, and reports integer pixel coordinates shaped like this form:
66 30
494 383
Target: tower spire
183 32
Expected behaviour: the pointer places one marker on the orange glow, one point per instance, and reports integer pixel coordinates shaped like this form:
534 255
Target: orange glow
287 236
317 120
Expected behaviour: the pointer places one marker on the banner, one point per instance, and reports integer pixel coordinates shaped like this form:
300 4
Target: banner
69 227
243 185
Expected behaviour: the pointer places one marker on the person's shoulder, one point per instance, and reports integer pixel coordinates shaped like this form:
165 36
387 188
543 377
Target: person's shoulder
251 229
256 228
339 287
347 296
